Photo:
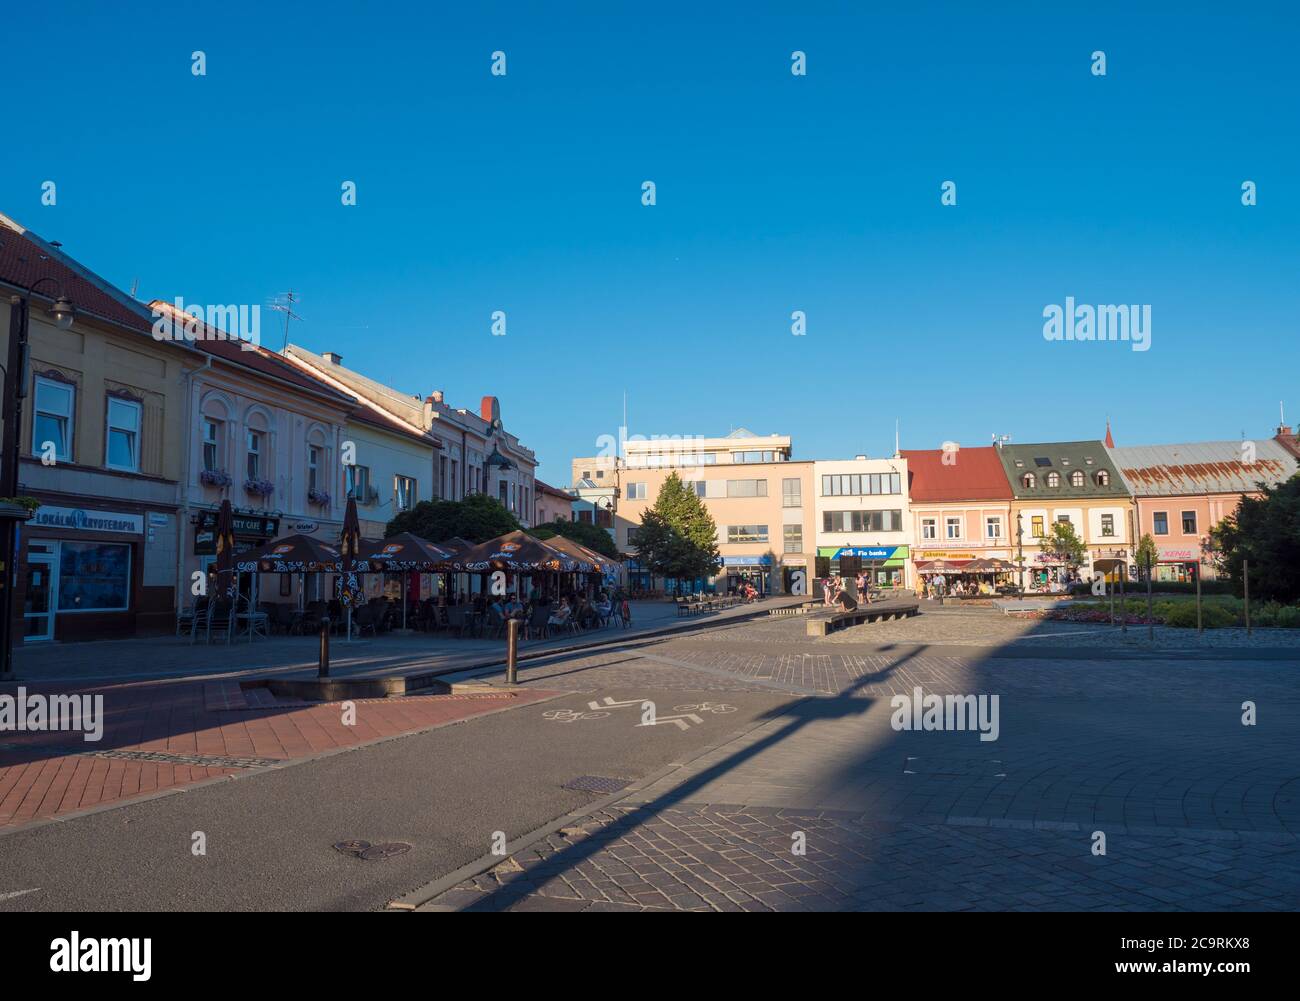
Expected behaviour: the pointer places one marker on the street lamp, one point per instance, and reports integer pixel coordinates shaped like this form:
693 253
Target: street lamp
1020 548
62 312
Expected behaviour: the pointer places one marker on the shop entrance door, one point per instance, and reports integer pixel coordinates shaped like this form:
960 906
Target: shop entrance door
38 603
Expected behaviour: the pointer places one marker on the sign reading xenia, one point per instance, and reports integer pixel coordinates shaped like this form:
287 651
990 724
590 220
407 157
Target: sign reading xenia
209 323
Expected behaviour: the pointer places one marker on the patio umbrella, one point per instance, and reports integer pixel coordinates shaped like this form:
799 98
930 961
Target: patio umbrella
516 552
225 544
292 554
350 550
405 553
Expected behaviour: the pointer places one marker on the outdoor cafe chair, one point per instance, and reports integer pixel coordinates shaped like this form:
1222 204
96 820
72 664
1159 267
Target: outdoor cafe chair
536 625
198 618
219 616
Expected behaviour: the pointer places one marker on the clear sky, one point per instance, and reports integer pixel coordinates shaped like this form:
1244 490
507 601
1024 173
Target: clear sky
775 193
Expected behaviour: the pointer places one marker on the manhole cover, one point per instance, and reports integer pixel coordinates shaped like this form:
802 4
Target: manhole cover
367 852
595 783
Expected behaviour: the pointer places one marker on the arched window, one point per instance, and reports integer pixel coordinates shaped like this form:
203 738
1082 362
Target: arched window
1103 478
1029 480
1053 479
1076 478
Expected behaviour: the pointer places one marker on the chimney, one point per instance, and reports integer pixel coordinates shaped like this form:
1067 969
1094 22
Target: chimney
437 397
333 357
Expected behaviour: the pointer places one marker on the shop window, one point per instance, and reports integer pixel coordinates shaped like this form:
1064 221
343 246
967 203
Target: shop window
1160 522
211 445
94 576
929 528
52 420
122 447
1108 525
1189 522
793 538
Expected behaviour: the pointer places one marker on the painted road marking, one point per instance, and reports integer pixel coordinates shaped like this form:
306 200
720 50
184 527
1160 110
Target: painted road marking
570 715
18 893
677 721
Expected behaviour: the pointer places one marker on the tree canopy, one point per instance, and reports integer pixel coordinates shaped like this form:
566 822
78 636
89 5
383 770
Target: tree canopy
477 518
678 537
1064 544
1266 532
592 536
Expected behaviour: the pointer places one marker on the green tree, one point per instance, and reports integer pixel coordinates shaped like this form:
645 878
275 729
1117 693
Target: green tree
1063 544
591 536
477 518
678 537
1266 532
1146 556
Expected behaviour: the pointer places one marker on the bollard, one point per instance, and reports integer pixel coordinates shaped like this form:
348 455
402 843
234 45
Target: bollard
323 671
1245 575
512 651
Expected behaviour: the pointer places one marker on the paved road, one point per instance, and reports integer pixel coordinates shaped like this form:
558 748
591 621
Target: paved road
1198 810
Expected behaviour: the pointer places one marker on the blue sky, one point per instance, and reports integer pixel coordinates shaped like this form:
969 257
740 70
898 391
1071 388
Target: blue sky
775 193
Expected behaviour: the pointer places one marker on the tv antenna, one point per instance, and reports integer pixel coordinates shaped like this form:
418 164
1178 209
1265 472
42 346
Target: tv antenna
284 304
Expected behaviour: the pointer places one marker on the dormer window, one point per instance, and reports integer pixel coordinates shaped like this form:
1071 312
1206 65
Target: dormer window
1103 478
1076 478
1029 481
1053 479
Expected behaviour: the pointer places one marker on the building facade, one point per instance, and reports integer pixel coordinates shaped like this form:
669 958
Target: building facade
1074 482
1182 491
960 504
551 504
760 498
100 445
860 510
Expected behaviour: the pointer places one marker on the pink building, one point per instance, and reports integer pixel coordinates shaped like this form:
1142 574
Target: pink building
1182 491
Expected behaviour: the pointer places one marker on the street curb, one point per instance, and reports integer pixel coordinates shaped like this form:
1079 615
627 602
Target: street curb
421 896
248 773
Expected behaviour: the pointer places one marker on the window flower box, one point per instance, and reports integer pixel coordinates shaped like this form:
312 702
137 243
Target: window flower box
259 488
215 478
318 497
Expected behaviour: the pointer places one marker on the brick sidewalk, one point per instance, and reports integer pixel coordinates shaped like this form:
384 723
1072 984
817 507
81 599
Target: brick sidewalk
162 736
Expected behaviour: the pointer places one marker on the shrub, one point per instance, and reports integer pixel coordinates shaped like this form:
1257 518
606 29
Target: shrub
1183 616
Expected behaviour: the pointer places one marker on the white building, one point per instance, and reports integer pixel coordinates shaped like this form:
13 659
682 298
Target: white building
861 509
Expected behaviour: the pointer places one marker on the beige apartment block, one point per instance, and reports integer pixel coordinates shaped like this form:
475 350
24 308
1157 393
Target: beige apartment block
759 497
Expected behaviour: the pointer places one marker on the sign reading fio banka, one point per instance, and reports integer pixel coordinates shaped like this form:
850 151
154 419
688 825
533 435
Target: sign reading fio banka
87 521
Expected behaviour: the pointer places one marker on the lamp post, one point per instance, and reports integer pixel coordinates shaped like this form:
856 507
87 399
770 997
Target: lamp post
1020 548
15 391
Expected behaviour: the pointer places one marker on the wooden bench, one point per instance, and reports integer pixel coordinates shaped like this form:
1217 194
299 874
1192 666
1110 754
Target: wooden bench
822 623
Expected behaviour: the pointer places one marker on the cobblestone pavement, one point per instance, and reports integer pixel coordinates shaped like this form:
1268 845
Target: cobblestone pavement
1198 811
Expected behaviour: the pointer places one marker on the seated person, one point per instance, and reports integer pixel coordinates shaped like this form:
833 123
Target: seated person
603 605
559 613
512 608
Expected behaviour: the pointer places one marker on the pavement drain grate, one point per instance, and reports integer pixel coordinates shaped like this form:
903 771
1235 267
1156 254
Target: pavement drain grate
595 783
161 757
367 852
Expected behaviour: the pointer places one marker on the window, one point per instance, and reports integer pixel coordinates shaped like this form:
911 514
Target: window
455 477
94 577
791 494
746 533
1063 519
632 533
122 449
929 528
403 492
1103 478
1029 481
53 418
793 537
1036 526
862 521
586 474
1053 479
313 468
211 444
1076 478
861 484
636 491
698 486
1189 522
501 492
993 528
1160 522
763 456
952 528
1108 525
357 480
747 488
254 455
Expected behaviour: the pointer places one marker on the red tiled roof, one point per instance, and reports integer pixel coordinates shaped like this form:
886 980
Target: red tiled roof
24 261
975 474
546 488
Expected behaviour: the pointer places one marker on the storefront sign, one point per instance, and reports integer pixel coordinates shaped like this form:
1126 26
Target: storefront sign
87 521
867 552
157 520
794 561
1178 555
747 561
